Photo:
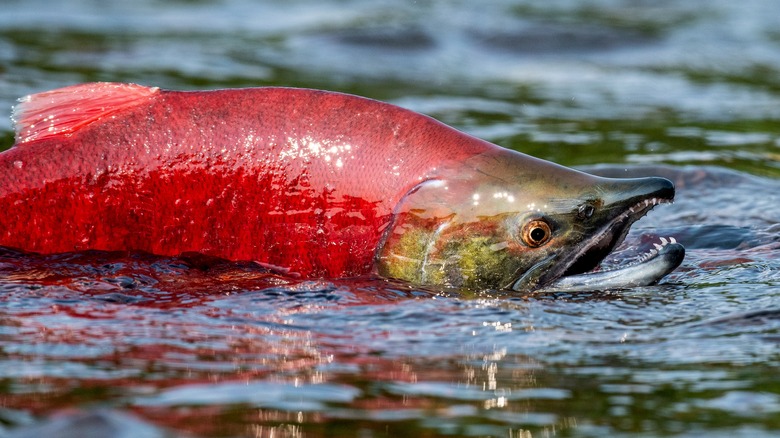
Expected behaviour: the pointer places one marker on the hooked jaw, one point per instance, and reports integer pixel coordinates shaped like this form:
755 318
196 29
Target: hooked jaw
648 269
624 202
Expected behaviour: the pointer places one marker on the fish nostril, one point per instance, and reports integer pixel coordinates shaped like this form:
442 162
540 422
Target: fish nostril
585 211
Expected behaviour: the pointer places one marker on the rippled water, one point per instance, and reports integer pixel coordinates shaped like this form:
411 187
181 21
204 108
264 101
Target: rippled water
140 345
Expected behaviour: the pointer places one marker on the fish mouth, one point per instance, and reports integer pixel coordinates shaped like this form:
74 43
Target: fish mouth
590 255
580 269
643 269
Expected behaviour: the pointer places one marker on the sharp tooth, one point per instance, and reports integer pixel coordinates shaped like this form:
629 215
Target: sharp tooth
653 252
647 202
664 241
631 209
657 246
672 239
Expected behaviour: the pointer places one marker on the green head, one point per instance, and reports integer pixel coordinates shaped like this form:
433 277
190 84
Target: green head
504 220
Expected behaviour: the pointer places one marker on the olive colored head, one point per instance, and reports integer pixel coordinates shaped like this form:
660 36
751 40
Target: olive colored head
504 220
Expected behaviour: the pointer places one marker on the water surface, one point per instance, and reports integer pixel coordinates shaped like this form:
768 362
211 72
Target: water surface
138 344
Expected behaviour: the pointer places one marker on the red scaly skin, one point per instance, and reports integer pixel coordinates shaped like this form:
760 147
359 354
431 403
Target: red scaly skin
300 179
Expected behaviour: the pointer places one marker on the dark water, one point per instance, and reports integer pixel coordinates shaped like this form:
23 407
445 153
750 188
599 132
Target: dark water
137 345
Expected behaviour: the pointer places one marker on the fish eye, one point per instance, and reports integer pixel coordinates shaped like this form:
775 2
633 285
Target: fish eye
585 211
536 233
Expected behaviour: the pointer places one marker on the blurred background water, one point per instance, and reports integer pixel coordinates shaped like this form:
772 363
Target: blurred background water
145 346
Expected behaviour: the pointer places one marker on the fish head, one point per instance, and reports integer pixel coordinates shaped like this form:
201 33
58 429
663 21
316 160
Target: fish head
505 220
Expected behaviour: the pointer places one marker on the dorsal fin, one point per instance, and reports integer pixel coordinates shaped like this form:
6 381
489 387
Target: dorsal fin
66 110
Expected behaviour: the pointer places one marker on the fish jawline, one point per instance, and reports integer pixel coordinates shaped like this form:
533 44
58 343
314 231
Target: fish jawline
648 270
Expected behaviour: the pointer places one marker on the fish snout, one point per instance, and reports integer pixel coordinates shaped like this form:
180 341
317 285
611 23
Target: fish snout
631 193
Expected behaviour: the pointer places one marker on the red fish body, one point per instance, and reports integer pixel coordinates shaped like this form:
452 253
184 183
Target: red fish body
300 179
314 183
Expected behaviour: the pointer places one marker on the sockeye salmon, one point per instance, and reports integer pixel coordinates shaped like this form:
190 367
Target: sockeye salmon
311 183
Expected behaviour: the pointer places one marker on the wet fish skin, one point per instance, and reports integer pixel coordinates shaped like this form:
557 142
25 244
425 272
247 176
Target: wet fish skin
309 182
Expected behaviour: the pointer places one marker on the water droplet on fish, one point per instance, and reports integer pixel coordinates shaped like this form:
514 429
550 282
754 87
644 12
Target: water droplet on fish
18 164
499 246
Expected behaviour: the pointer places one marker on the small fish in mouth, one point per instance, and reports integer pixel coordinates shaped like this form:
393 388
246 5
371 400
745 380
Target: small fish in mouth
314 184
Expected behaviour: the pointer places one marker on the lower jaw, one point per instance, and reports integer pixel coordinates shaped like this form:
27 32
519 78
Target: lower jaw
648 269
